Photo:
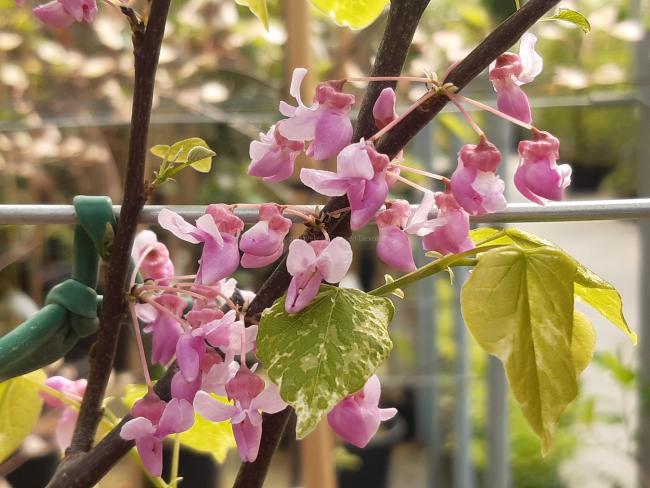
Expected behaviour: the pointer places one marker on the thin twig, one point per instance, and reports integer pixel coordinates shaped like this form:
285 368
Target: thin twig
146 50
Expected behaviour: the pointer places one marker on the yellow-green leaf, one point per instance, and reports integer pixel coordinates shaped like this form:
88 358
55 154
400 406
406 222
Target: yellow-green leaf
259 9
200 158
583 341
573 17
518 305
160 150
356 14
20 407
215 438
603 297
588 286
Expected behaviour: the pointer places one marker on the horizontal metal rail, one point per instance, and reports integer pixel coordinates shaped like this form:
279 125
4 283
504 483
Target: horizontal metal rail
638 208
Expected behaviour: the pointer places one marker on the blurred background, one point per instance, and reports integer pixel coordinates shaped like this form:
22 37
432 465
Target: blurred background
64 112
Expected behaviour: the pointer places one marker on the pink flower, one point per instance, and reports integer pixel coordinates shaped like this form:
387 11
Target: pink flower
227 334
310 264
251 399
264 242
509 71
475 184
393 246
384 109
218 229
166 330
538 177
448 233
361 174
154 420
65 425
62 13
356 418
152 256
273 156
326 123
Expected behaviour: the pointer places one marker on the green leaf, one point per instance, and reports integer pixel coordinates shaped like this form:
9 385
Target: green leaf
20 407
258 8
194 151
588 286
356 14
576 18
518 305
214 438
327 351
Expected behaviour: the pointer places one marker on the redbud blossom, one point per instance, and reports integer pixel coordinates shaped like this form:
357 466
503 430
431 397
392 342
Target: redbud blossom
251 398
326 123
475 184
538 177
273 156
393 246
361 174
154 420
356 418
509 71
384 109
264 242
448 233
153 257
62 13
68 419
166 330
218 230
310 264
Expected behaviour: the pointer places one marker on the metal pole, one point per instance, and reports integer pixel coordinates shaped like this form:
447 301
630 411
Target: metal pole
642 56
633 208
427 411
462 467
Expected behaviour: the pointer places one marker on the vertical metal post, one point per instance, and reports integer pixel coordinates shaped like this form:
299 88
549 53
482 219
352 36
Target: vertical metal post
642 57
427 412
498 457
462 465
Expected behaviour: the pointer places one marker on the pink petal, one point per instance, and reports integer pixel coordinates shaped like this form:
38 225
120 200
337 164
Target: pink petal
334 262
177 417
215 380
189 351
218 262
324 182
354 162
384 109
260 240
150 451
175 224
394 249
302 290
183 389
53 14
213 409
301 257
512 101
244 387
333 131
65 428
137 428
302 125
296 82
247 437
352 423
252 261
269 400
421 213
206 224
166 333
531 62
366 200
387 413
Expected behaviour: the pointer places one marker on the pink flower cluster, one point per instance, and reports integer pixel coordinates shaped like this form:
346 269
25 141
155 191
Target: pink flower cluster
210 345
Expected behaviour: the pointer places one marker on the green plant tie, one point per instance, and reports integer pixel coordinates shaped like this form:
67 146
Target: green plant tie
71 307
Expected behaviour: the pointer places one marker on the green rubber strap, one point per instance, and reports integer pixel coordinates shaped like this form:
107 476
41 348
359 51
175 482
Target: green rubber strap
71 307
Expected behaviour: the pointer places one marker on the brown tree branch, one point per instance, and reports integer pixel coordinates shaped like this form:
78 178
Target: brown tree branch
113 447
146 44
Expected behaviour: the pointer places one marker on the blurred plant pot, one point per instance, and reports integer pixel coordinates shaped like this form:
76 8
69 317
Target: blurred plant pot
375 457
